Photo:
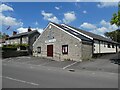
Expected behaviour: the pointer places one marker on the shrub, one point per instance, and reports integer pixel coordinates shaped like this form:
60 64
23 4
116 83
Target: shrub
13 46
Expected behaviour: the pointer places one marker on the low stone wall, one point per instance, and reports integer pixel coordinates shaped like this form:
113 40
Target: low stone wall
9 53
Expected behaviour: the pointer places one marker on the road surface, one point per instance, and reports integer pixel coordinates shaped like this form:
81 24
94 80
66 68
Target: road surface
23 75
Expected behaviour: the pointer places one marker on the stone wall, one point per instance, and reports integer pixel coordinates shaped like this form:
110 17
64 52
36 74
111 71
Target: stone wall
11 53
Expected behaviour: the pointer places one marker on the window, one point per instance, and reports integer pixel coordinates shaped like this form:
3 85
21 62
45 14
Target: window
104 44
119 46
112 46
108 45
64 49
35 39
38 49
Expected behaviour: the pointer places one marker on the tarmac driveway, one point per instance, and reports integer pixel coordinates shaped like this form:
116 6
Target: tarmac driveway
97 65
101 64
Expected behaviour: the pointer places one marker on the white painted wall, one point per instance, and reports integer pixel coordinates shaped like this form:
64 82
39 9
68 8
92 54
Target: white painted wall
118 48
25 40
96 46
13 41
7 42
0 44
103 47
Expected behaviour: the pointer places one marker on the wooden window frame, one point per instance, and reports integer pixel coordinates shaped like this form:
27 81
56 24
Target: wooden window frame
64 50
38 49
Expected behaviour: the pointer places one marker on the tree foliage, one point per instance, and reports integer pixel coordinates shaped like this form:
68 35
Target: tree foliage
3 35
115 35
116 17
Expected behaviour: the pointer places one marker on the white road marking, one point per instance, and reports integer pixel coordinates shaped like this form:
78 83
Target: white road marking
22 81
69 65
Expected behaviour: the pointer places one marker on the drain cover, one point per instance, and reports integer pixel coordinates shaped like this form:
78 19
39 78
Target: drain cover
71 70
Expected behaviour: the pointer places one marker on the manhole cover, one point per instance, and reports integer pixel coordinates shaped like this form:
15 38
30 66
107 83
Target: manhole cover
71 70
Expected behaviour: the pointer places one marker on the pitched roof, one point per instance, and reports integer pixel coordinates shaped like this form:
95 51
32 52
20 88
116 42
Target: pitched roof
94 36
78 35
23 34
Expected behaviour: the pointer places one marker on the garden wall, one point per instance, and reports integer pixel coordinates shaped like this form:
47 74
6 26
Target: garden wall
11 53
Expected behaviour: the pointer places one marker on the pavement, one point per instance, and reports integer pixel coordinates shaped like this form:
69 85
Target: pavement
36 72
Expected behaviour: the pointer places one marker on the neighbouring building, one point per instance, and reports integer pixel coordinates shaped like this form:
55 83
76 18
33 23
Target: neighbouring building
63 42
2 41
26 38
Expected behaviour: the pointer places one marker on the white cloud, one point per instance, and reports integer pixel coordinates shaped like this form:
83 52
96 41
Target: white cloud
104 23
108 25
69 17
107 4
9 21
22 29
57 8
50 17
101 28
36 23
84 11
87 26
4 7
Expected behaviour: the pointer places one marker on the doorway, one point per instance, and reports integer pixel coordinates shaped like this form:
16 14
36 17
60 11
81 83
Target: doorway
50 50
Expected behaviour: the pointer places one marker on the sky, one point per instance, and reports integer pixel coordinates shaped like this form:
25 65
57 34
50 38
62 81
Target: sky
90 16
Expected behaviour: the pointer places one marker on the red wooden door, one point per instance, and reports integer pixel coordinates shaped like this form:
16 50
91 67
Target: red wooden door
50 50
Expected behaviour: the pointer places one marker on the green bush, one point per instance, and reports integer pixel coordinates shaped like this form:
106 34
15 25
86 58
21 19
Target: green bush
13 46
24 45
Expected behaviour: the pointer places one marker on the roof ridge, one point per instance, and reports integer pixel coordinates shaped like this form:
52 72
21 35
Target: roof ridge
96 35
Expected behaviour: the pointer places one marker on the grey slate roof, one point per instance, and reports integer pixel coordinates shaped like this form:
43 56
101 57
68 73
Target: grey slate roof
94 36
23 34
82 37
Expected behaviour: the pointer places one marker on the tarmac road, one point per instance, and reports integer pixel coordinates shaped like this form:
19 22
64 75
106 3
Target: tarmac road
18 75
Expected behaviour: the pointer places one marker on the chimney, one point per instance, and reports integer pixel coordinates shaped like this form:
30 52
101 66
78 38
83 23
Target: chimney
29 29
14 32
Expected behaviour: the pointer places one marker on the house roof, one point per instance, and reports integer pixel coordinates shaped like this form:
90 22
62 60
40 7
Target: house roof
78 35
23 34
94 36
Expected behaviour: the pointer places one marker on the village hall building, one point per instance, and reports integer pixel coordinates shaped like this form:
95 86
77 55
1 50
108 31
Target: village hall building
63 42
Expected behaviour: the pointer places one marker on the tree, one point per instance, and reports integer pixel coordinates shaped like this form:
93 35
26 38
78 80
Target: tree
3 35
115 35
116 17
